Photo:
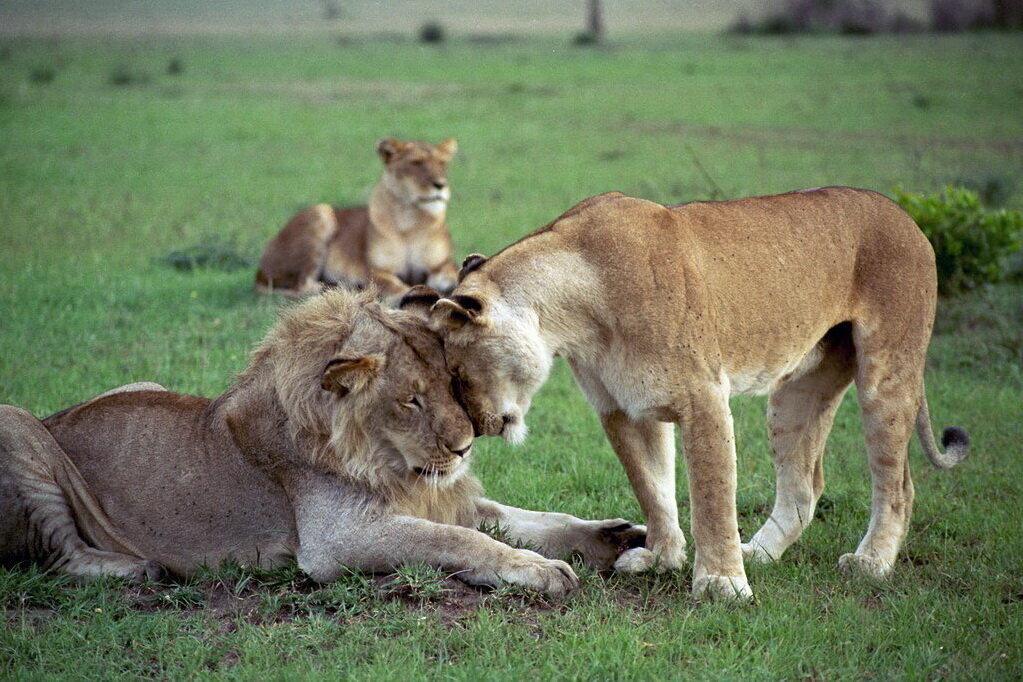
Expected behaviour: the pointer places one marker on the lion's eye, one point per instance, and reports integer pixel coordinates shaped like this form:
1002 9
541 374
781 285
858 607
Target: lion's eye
412 402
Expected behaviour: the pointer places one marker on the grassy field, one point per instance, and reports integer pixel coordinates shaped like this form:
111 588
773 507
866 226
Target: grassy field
109 163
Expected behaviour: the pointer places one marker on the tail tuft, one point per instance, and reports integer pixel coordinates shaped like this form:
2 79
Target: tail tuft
955 437
954 440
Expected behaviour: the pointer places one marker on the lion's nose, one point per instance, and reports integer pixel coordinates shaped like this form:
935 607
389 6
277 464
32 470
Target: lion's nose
461 453
440 183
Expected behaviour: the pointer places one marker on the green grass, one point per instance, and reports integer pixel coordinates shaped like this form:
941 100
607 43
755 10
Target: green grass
100 180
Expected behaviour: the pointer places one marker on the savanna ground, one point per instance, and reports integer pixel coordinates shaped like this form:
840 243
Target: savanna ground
112 163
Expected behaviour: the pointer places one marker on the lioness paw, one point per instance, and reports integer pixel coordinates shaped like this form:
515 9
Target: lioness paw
865 564
755 552
600 543
722 587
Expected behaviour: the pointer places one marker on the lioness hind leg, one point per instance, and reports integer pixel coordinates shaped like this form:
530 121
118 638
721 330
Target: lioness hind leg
799 417
37 522
889 385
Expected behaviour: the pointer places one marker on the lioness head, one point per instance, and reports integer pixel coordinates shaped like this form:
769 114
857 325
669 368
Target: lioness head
366 392
495 352
417 173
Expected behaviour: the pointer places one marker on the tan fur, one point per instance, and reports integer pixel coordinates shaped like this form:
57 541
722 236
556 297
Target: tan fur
341 444
399 240
663 313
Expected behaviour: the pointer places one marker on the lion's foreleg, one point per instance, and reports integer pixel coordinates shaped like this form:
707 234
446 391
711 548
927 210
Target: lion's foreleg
647 451
341 527
35 467
559 536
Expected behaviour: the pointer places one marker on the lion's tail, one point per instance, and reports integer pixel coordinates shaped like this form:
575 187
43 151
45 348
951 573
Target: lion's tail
955 440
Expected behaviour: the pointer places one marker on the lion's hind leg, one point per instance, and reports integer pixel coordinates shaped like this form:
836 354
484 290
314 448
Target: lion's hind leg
799 417
43 494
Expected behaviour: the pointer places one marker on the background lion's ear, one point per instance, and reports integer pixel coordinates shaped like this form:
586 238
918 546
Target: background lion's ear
470 263
345 375
447 148
388 147
455 313
419 299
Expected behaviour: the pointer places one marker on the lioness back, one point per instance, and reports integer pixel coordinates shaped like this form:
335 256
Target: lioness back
191 496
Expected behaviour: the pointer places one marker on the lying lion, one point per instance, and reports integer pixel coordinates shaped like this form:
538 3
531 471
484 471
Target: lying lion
341 444
663 313
399 240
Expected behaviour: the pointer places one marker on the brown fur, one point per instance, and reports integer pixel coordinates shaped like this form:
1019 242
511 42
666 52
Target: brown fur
399 240
664 312
341 444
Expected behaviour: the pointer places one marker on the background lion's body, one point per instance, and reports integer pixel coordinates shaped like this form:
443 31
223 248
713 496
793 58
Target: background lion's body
400 239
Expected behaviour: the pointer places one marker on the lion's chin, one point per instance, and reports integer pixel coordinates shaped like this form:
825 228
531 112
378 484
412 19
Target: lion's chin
438 477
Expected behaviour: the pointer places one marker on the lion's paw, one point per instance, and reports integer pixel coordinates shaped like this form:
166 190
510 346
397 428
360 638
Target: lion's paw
864 564
147 570
528 569
722 587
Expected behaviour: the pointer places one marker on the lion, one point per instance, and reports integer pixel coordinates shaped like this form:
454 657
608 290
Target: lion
400 239
664 312
340 445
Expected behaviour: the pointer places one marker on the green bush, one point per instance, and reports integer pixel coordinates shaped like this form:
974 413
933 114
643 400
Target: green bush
971 244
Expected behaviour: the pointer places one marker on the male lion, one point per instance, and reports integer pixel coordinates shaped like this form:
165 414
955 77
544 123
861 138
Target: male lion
399 240
665 312
340 444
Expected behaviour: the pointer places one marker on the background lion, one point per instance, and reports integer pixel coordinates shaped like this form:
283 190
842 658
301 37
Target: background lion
399 240
340 444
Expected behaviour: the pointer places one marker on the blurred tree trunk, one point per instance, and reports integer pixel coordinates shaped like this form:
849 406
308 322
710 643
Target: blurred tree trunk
594 19
1008 13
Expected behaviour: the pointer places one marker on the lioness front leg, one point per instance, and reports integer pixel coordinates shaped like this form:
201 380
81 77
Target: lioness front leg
647 451
559 536
709 443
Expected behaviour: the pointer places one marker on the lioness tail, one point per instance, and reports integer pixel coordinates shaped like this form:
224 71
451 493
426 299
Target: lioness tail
955 440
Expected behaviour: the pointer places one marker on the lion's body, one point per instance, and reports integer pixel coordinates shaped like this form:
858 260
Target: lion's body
341 445
665 312
400 239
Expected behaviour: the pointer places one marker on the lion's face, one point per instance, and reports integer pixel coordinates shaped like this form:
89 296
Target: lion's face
368 392
417 173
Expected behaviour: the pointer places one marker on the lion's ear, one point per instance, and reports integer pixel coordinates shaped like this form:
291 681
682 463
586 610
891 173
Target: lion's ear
418 300
345 375
471 263
456 312
447 149
388 147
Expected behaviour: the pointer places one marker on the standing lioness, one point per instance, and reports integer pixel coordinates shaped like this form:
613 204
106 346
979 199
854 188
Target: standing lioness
663 313
399 240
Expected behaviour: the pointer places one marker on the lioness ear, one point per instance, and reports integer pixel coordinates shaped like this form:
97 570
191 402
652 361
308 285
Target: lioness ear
344 375
455 313
418 300
471 263
388 147
446 149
